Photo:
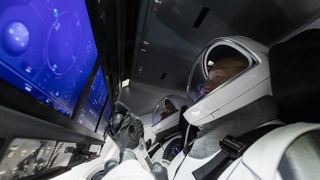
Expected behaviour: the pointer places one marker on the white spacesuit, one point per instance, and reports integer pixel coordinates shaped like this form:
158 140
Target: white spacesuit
236 107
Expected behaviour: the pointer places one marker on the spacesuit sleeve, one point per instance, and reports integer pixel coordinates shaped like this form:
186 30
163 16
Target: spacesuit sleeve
129 170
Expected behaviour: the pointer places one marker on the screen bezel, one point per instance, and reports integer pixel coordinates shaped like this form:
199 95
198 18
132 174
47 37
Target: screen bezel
101 118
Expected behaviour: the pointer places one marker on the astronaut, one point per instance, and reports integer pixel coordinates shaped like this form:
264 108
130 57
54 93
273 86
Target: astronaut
288 152
235 98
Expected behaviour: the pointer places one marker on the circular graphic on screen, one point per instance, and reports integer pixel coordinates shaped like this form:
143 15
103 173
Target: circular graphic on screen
15 38
63 43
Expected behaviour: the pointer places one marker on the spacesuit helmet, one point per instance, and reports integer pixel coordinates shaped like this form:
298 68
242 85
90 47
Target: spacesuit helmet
167 112
230 73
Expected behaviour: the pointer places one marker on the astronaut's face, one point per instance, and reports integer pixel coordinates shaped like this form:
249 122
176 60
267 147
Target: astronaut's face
168 110
223 70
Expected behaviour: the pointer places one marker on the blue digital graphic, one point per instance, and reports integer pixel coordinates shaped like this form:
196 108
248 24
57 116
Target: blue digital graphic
104 118
47 49
94 102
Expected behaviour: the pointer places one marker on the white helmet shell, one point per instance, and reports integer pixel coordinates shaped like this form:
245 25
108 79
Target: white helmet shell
242 89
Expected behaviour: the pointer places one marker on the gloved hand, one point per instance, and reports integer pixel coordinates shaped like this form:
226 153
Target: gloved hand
124 127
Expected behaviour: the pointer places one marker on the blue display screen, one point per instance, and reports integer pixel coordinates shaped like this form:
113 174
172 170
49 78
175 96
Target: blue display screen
104 118
47 49
94 102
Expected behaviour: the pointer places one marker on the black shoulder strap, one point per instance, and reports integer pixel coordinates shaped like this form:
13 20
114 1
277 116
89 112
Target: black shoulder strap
231 149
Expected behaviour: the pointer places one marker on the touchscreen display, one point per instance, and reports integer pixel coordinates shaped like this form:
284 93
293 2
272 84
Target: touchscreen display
47 49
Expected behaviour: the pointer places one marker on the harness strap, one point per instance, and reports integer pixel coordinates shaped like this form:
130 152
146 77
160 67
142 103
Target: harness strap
231 149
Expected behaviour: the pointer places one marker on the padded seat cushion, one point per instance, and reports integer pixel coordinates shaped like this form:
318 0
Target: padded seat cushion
295 76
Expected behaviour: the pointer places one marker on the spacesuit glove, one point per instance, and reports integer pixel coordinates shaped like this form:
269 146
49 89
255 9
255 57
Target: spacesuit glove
125 129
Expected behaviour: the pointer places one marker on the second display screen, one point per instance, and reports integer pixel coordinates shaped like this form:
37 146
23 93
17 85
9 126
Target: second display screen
94 102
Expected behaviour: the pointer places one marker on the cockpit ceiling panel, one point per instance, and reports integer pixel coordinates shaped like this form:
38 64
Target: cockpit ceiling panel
176 31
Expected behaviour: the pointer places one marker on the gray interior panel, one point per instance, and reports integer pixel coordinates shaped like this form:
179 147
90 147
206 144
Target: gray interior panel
174 32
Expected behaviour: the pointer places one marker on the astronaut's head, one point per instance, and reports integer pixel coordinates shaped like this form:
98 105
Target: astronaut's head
230 73
222 70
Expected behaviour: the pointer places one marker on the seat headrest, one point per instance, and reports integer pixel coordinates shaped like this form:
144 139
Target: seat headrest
295 76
